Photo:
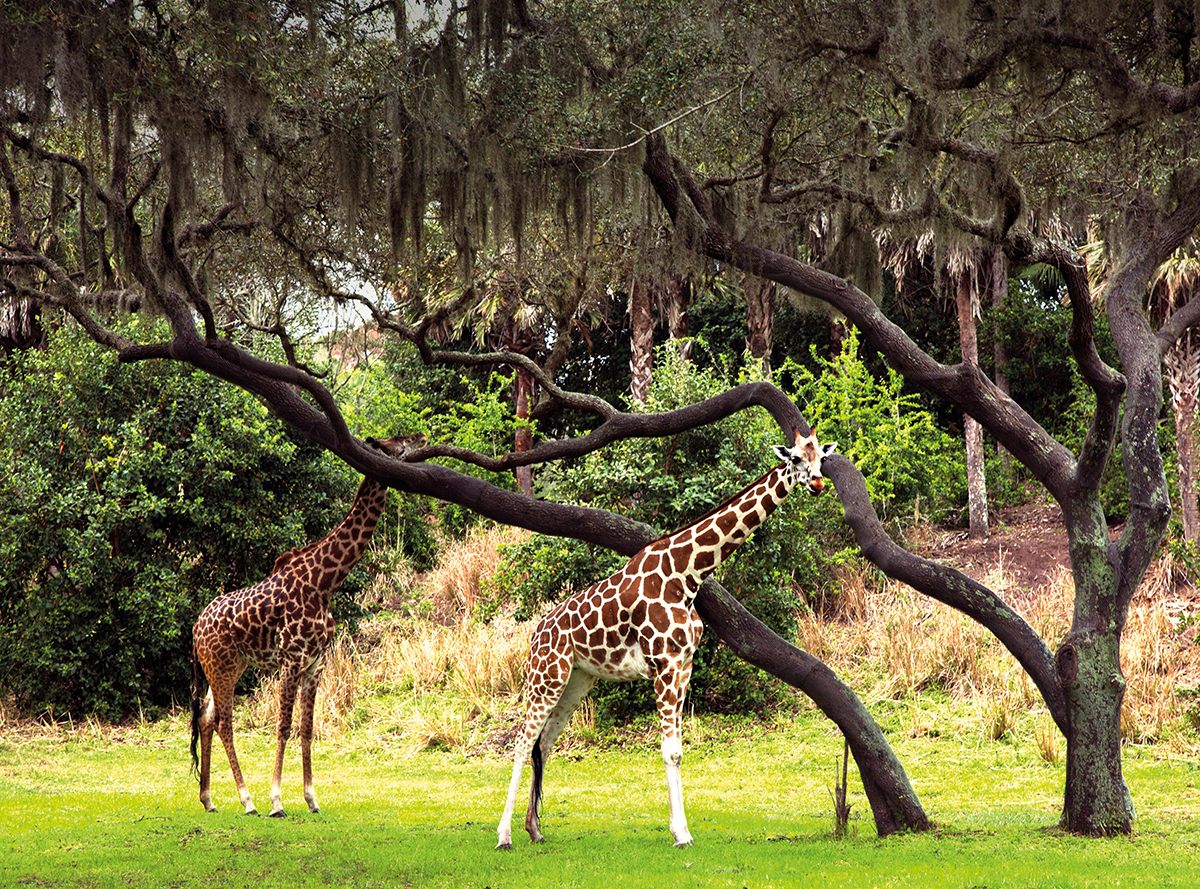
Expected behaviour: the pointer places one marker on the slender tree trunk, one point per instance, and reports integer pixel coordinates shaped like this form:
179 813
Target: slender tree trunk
976 480
760 311
1183 377
678 296
1000 356
641 328
524 438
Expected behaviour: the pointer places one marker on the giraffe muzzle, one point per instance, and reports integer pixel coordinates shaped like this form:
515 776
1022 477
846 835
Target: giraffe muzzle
816 486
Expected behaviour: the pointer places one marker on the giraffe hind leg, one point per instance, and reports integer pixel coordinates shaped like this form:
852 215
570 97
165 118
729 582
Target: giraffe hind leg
577 687
203 723
547 675
222 721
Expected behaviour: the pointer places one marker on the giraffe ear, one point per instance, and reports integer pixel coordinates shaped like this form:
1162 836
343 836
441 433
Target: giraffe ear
828 448
781 452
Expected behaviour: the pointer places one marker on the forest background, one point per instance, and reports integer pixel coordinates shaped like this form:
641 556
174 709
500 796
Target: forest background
977 231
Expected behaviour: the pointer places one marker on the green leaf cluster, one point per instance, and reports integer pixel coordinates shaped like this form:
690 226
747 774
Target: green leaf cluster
131 495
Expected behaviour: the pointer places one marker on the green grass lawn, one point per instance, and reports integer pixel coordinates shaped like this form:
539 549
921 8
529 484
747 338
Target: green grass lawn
78 809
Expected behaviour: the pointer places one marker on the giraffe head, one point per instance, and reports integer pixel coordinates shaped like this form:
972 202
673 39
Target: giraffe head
804 460
398 445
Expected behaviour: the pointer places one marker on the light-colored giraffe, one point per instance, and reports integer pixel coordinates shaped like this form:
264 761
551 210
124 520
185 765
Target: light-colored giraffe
640 623
282 623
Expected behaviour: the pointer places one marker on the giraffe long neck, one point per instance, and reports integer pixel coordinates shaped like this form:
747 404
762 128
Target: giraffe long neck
700 547
334 556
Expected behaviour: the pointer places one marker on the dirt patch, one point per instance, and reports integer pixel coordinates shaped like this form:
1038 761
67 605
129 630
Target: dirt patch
1026 547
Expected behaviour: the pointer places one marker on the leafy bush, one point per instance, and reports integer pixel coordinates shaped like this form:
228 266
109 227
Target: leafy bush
131 495
896 445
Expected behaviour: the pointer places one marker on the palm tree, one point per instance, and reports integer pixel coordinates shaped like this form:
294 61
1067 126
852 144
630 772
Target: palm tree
1177 281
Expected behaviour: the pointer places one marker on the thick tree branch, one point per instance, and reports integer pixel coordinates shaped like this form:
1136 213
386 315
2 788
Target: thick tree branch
1003 418
946 585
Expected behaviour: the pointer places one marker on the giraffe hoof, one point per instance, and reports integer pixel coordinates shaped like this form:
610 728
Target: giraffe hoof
279 814
505 847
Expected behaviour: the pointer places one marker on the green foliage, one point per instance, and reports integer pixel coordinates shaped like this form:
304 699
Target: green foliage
130 496
901 453
450 406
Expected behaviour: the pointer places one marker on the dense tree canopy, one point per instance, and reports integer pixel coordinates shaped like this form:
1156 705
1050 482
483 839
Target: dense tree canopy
504 168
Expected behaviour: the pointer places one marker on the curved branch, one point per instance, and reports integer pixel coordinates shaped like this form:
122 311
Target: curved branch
946 585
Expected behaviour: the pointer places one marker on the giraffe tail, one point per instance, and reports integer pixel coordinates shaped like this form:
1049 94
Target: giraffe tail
196 683
538 763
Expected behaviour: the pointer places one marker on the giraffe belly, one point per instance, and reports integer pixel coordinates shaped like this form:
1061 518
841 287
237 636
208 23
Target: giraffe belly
619 666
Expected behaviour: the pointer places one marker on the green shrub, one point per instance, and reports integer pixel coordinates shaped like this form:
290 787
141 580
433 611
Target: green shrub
131 495
895 444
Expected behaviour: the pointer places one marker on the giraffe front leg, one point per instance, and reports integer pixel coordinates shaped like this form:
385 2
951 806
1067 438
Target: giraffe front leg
672 754
288 685
308 697
670 686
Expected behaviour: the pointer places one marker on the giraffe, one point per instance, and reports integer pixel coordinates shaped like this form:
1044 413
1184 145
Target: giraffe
281 623
641 623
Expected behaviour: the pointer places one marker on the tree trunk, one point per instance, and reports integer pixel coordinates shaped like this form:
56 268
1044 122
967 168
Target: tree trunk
524 437
641 334
1183 377
678 296
1096 801
1000 356
760 312
976 481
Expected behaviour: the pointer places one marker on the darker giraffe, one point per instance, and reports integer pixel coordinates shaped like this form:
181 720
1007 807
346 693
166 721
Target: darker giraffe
282 623
640 622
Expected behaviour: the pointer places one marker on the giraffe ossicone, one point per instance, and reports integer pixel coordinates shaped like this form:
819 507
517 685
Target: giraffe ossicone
641 623
281 623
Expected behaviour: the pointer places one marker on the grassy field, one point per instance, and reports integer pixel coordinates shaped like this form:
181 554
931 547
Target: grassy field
412 766
98 807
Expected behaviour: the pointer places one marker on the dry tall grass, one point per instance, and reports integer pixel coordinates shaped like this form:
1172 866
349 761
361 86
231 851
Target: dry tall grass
899 644
448 681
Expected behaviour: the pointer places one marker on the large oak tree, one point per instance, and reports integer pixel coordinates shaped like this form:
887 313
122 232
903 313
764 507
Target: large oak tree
168 158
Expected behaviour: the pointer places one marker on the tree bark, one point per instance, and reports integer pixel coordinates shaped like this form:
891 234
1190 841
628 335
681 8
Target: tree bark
641 335
977 508
760 313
